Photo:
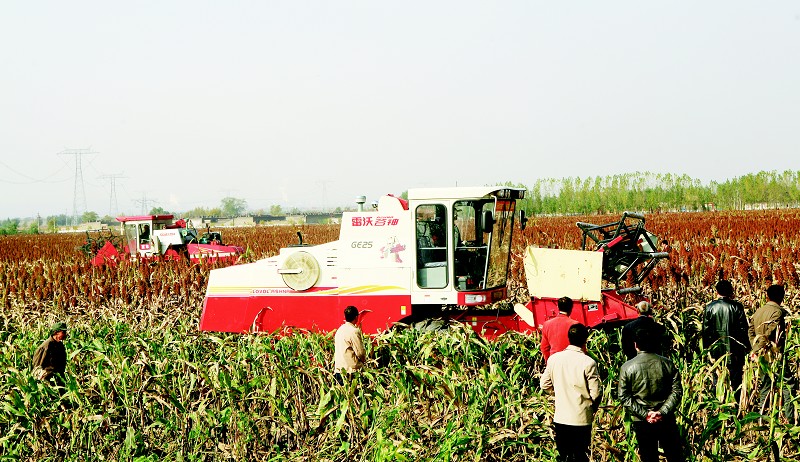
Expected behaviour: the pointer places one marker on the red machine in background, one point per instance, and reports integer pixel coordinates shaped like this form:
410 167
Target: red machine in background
159 236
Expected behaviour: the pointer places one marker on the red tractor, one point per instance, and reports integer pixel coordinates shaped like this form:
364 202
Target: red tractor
159 236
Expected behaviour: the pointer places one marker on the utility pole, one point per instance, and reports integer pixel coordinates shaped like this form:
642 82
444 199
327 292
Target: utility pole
79 190
113 207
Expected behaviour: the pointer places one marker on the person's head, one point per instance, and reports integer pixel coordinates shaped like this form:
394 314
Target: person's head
645 339
725 288
577 335
565 305
775 293
644 308
59 331
350 313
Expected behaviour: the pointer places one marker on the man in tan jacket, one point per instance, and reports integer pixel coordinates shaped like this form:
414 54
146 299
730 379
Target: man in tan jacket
349 354
572 375
768 336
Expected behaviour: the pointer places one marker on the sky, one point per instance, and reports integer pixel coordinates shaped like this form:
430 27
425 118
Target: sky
308 104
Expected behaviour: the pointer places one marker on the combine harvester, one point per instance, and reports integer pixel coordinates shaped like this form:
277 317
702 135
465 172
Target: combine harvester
443 254
159 237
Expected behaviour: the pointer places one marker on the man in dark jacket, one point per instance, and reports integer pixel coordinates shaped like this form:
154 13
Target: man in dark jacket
725 332
645 318
650 390
768 336
50 359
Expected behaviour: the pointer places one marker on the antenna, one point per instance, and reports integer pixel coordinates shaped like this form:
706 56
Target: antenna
113 206
79 192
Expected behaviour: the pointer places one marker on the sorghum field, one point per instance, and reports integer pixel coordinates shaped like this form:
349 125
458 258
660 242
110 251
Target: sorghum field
144 384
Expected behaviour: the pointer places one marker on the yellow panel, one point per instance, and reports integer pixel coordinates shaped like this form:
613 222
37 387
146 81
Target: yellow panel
555 273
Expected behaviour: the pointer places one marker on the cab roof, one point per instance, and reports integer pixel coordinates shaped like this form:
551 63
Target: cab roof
466 192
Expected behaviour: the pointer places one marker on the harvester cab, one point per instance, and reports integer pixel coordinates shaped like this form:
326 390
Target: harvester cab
146 236
602 279
443 252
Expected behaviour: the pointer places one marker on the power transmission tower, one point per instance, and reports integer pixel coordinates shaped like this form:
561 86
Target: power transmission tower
79 192
113 207
145 203
324 192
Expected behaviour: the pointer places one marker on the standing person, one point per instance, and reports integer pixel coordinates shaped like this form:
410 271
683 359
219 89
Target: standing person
50 358
349 354
725 331
572 375
645 318
650 390
768 336
554 330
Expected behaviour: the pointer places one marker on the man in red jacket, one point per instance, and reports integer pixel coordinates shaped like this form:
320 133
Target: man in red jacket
554 330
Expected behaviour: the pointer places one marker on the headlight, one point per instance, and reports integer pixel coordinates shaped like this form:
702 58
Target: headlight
471 299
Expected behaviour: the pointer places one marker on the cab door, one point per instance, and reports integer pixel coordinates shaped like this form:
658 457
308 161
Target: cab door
433 283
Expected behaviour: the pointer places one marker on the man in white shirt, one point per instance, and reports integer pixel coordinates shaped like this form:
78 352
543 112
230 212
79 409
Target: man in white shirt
348 354
572 375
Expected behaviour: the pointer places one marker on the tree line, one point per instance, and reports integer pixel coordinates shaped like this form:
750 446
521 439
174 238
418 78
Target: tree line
638 191
654 192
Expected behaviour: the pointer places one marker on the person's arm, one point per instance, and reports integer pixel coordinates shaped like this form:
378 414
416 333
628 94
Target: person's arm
705 329
38 356
744 329
593 380
625 395
358 346
751 333
628 348
42 359
545 346
674 397
546 380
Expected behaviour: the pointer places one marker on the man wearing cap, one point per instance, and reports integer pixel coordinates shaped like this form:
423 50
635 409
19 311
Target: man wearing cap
349 354
50 359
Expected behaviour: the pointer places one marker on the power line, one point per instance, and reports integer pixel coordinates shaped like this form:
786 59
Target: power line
32 180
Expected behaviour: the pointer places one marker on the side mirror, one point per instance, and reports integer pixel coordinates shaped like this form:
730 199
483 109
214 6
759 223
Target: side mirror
487 221
523 220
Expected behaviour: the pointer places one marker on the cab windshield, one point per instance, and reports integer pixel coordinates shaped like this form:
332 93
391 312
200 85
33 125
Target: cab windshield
482 246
